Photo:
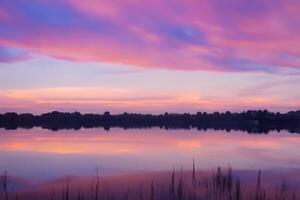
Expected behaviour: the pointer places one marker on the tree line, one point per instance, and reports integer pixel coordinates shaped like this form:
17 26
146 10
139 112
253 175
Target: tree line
251 121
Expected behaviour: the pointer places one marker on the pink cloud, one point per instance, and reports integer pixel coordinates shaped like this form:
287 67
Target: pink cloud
3 15
187 35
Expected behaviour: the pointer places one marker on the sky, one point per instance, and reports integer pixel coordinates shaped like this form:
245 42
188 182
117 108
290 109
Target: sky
149 56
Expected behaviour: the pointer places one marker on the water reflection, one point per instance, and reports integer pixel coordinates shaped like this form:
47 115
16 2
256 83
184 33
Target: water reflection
42 154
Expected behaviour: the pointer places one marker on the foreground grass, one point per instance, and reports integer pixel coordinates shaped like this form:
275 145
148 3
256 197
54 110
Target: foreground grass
220 184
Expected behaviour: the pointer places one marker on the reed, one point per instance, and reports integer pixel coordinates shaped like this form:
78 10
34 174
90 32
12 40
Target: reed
4 185
126 197
152 191
172 186
52 195
97 185
66 192
180 187
238 192
220 185
194 173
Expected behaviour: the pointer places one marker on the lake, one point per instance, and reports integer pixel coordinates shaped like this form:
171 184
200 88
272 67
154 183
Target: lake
41 155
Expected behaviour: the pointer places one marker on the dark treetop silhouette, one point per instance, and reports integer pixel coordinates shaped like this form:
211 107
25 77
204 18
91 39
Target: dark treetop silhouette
252 121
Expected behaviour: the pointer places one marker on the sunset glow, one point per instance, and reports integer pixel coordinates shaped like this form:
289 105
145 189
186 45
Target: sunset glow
149 99
149 56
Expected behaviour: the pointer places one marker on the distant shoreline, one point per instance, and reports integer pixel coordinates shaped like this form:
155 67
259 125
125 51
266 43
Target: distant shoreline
252 121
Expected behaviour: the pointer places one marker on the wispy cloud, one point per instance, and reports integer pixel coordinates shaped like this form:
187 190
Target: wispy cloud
267 87
259 35
12 54
92 99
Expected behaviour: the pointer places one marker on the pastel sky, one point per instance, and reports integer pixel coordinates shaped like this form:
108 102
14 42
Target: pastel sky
149 55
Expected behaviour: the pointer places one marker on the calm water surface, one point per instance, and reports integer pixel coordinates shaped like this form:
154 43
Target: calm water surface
42 154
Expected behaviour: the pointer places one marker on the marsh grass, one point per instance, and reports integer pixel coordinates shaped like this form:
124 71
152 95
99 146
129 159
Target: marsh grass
4 185
222 184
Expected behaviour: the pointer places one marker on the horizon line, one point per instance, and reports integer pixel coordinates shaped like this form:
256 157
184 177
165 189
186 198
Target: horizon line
162 113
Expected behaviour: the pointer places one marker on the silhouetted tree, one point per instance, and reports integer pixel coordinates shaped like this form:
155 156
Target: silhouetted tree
251 121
